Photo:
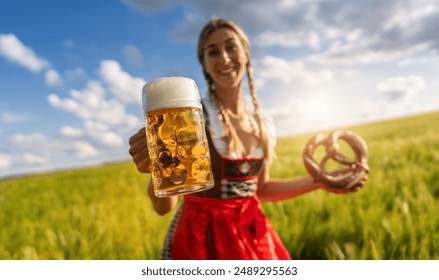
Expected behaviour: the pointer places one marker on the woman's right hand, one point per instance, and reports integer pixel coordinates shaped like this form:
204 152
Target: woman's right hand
139 151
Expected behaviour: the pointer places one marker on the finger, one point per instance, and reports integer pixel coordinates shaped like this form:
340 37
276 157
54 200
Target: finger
140 155
141 134
139 146
363 181
358 186
144 166
337 191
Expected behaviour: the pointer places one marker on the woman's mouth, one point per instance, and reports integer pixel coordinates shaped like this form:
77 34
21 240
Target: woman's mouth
227 71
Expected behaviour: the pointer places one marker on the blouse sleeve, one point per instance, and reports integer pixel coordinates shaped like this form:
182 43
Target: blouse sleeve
270 128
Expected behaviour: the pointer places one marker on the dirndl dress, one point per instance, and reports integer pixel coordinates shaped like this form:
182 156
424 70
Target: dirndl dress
225 222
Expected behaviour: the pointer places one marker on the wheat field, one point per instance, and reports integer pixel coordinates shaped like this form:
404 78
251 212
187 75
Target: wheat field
103 212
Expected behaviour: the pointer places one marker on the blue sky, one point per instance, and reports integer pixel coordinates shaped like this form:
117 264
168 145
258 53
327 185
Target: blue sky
71 72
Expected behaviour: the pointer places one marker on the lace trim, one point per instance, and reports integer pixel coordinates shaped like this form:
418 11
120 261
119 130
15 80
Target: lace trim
238 189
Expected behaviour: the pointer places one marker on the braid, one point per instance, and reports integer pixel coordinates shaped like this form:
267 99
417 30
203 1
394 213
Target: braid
264 135
210 83
234 144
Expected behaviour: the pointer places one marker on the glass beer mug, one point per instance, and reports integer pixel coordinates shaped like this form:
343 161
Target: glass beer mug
176 136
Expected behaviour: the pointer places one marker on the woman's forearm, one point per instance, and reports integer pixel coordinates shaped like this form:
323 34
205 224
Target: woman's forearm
281 189
162 205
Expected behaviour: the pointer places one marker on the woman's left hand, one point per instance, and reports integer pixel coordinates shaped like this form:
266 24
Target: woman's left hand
361 182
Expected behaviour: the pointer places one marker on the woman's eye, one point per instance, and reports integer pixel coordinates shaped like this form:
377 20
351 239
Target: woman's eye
213 53
231 47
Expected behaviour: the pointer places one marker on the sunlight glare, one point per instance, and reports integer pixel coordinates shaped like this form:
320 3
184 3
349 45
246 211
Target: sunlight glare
318 108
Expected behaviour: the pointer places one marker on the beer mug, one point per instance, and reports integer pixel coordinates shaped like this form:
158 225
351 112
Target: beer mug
176 136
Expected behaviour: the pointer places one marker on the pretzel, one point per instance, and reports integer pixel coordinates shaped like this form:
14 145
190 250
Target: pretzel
345 178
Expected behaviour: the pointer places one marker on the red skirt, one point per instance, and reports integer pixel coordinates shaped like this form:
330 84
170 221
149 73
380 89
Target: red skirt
225 229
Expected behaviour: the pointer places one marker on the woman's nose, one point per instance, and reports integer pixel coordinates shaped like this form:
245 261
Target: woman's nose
224 57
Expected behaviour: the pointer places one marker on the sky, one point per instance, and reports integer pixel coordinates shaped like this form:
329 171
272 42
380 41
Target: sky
71 72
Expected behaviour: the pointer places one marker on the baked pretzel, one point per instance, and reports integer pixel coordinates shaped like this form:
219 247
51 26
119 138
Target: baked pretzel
345 178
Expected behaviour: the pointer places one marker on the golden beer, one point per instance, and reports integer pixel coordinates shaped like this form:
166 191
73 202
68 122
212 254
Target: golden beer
177 142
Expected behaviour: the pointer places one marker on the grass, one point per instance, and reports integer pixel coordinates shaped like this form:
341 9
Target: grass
94 213
104 213
393 217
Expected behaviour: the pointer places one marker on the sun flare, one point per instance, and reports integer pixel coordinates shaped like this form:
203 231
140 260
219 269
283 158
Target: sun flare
318 108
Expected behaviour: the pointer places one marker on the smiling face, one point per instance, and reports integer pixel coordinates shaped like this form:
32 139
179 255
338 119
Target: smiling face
225 58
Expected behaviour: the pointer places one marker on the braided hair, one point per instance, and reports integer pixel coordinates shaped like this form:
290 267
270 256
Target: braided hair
230 132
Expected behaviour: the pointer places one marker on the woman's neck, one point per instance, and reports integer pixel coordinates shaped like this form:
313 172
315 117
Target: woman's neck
231 99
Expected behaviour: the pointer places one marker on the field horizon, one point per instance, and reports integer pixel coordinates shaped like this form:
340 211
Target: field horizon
306 133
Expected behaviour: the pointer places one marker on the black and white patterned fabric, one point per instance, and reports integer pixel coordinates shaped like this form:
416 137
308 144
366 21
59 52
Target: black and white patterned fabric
167 244
237 189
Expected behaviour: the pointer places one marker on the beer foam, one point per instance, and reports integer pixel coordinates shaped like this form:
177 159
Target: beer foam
170 92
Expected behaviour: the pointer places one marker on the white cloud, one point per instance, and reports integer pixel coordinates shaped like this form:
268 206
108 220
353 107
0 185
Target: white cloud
288 118
5 161
360 32
37 152
26 141
388 31
11 117
398 88
133 55
374 110
364 52
255 17
90 100
68 105
105 119
422 60
16 52
121 84
84 150
34 159
90 104
411 13
279 69
53 78
72 132
102 134
74 74
288 39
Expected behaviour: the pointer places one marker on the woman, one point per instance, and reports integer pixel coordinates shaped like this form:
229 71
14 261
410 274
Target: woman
226 222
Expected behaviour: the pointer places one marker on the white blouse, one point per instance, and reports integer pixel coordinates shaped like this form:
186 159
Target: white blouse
217 130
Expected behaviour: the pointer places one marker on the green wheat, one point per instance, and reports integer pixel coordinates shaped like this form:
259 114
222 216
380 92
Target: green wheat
104 213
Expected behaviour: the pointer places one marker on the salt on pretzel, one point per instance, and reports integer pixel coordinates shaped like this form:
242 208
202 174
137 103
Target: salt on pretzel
345 178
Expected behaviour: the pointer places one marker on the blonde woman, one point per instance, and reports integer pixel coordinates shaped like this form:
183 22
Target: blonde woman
227 222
